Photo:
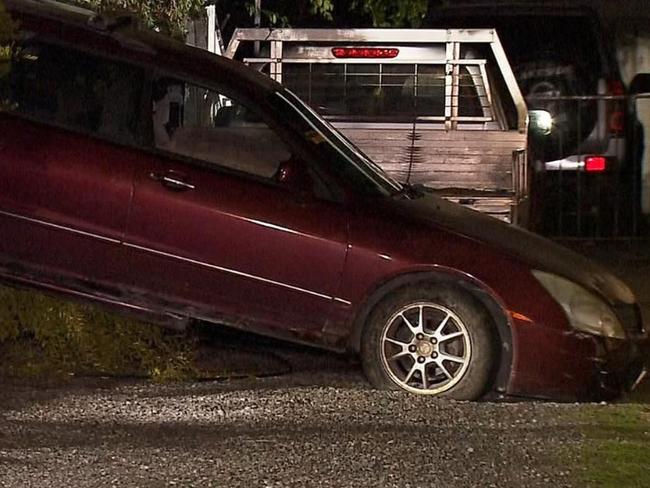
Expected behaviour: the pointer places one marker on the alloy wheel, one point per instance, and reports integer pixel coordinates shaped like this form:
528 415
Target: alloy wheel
425 348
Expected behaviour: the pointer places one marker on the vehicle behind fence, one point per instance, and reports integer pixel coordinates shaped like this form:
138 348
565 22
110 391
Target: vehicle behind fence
588 166
585 144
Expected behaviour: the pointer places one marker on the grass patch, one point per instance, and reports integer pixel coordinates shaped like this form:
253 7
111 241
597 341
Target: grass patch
616 448
44 337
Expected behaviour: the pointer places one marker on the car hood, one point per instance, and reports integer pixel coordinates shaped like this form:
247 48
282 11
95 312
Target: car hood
535 251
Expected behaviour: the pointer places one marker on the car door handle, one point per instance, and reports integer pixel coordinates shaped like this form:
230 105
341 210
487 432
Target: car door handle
171 180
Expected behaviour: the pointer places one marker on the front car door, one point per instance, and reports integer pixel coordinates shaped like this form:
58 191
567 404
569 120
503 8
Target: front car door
214 225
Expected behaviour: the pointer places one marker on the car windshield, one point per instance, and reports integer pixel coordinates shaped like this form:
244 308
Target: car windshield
358 169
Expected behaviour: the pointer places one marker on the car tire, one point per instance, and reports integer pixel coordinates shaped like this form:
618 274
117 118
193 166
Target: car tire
432 340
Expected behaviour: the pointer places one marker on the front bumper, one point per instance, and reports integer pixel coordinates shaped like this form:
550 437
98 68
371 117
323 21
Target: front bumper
567 365
620 366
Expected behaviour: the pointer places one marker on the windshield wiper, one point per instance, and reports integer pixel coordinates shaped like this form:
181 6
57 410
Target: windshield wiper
411 191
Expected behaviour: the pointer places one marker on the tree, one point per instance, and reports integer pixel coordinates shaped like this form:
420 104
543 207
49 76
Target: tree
389 13
167 16
7 34
7 25
170 16
357 13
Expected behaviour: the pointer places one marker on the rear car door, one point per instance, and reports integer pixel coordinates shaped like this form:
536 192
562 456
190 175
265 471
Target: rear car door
213 225
67 119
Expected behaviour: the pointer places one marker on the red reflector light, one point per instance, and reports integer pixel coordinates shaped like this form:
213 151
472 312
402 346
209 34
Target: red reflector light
617 122
616 114
365 52
595 164
616 88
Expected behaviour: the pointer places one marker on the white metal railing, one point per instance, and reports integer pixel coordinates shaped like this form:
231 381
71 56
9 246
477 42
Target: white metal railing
280 40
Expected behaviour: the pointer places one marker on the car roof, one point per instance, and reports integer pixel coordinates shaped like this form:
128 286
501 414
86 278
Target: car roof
122 37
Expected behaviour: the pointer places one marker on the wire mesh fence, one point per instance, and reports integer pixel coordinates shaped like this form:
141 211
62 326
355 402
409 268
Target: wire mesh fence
589 177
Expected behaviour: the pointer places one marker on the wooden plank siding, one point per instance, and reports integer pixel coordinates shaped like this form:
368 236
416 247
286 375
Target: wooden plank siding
440 159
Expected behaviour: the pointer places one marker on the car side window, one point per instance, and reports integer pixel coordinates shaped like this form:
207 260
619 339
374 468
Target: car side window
215 128
72 89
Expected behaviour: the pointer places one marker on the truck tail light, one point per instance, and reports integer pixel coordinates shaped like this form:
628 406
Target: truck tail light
615 112
365 52
595 164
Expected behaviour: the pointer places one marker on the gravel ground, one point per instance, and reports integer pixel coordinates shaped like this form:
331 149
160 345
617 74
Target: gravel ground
298 430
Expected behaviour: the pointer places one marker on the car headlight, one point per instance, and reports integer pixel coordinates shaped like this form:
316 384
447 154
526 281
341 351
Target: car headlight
585 311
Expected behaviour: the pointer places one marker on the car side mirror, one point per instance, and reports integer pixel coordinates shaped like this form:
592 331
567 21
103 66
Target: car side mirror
640 84
293 175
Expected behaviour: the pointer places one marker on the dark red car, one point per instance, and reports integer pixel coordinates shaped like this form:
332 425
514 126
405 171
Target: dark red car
171 183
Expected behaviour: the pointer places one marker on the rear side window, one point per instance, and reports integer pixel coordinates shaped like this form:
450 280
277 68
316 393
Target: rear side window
65 87
382 92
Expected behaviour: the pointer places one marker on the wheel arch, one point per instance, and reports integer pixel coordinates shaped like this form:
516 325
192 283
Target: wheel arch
487 299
